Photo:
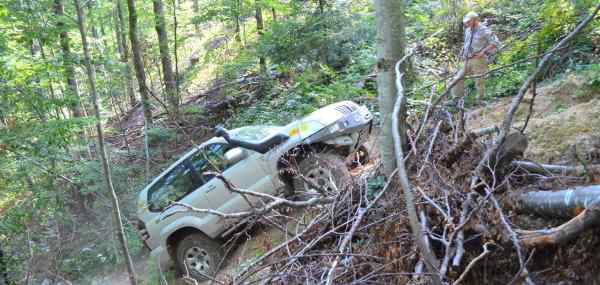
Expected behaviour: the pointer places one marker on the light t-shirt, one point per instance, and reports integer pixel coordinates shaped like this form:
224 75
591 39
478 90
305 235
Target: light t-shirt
482 36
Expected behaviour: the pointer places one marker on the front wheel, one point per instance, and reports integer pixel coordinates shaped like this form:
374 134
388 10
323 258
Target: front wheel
199 256
327 171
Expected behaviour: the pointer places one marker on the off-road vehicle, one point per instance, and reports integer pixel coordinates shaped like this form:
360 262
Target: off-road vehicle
256 158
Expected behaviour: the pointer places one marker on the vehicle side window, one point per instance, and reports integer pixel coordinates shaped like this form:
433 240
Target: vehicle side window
215 156
186 177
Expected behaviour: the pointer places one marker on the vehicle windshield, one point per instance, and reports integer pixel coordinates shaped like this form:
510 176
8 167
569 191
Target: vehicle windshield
187 176
254 133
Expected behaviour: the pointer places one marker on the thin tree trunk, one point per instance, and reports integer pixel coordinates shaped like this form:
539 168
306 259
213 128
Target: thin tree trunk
105 166
323 3
165 58
196 9
3 269
238 7
390 48
69 69
125 55
138 62
175 52
259 28
57 110
454 20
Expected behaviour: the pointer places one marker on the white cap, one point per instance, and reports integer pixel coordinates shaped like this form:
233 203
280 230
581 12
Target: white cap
470 16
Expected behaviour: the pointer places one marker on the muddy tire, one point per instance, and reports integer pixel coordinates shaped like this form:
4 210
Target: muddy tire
199 255
327 170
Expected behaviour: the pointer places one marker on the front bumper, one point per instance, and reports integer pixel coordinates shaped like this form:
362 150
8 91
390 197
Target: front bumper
161 257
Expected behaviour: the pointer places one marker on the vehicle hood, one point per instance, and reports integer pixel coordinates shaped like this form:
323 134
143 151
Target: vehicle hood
319 119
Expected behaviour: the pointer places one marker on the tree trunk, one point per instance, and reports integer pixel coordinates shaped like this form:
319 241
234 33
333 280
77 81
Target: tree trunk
105 166
390 48
196 9
238 8
259 28
323 3
165 58
122 39
175 52
3 269
72 87
138 62
454 20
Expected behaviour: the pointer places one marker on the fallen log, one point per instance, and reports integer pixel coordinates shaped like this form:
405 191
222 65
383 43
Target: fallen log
564 204
583 202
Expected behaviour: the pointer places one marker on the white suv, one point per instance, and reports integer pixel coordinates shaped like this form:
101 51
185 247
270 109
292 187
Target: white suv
256 158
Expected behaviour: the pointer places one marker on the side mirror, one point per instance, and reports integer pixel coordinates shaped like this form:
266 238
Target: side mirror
234 156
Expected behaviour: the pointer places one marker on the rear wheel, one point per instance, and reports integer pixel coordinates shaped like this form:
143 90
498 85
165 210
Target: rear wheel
199 256
327 171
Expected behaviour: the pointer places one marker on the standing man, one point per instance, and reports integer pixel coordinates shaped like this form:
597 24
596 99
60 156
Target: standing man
480 44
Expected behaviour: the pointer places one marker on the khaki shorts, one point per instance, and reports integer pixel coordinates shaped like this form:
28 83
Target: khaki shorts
475 66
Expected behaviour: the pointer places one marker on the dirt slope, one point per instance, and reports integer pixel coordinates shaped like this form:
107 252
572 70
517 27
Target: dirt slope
561 119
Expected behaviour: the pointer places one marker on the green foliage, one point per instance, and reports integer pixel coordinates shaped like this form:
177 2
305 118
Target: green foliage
331 39
309 90
158 135
374 185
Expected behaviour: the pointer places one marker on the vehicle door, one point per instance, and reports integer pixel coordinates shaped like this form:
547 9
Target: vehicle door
249 174
184 183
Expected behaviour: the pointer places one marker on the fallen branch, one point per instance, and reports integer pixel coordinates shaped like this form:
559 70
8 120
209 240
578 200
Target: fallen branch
589 218
485 131
556 169
278 202
425 251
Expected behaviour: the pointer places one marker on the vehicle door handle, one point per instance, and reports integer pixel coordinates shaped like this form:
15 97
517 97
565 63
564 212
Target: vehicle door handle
211 187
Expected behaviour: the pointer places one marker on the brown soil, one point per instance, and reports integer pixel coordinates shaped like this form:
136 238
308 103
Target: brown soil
560 121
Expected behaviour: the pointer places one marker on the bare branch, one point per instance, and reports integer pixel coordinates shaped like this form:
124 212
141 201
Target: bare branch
485 252
425 251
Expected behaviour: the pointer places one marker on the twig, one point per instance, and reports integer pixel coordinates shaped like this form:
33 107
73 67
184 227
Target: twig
240 275
357 221
485 252
513 237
